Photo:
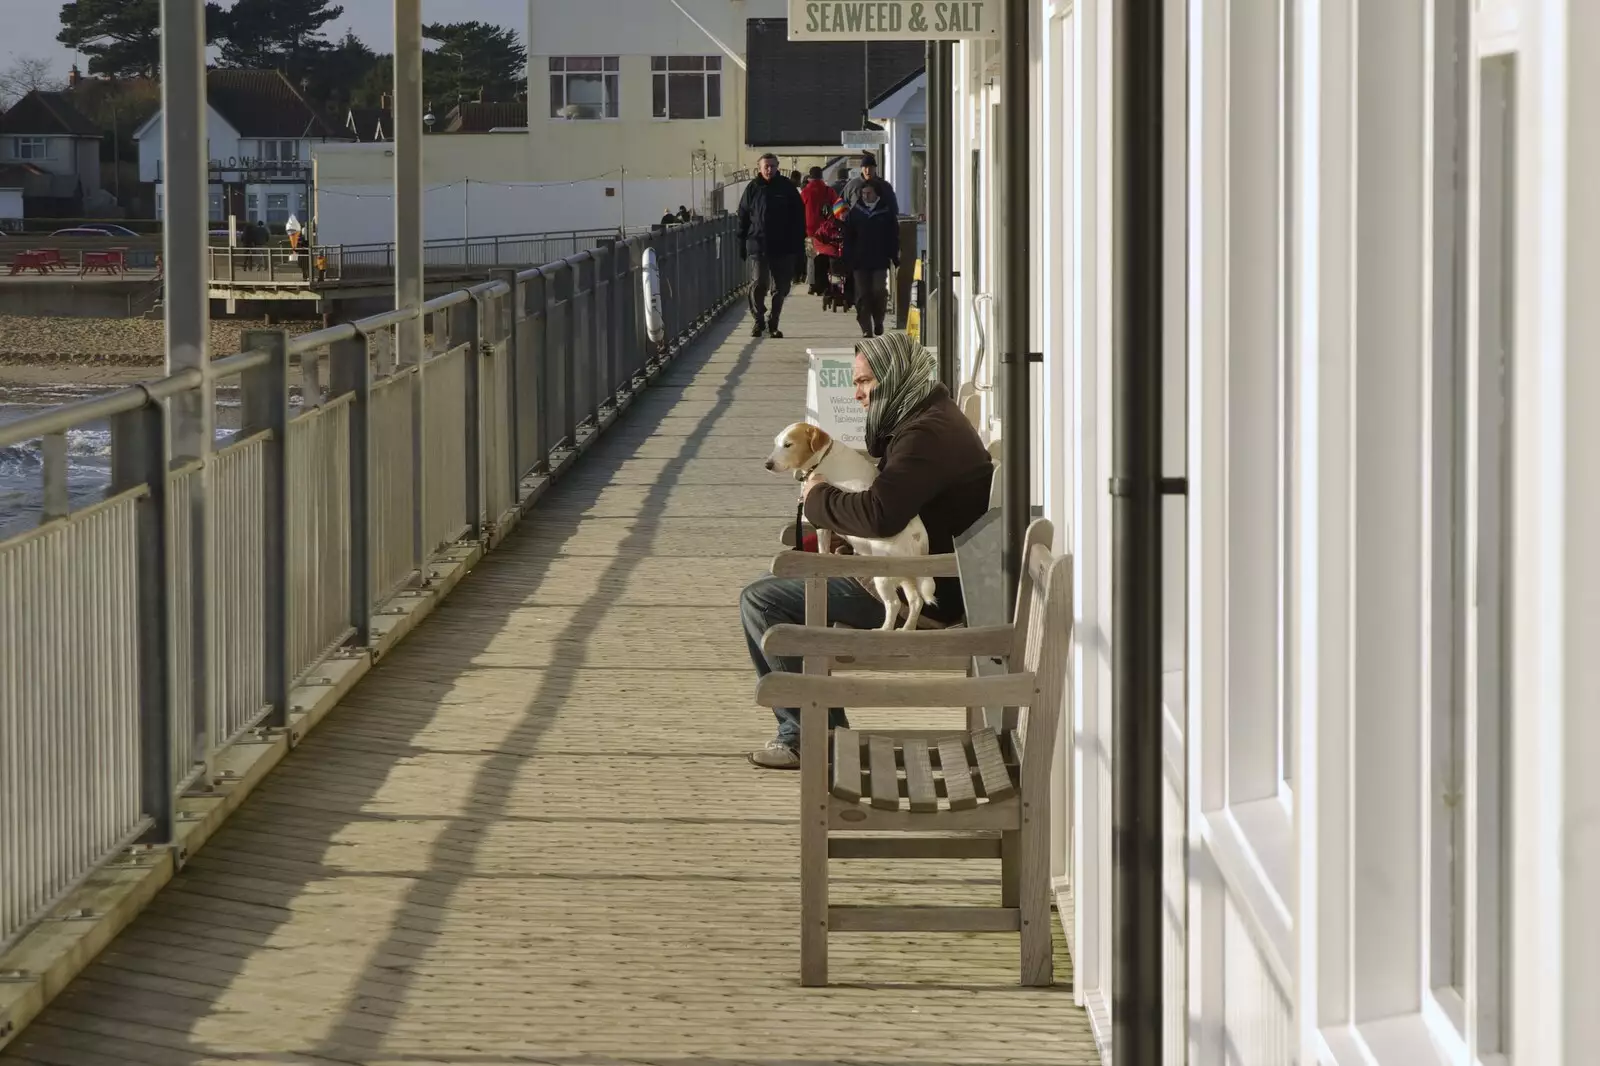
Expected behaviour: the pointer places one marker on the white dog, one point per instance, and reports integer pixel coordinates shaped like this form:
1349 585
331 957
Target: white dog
805 449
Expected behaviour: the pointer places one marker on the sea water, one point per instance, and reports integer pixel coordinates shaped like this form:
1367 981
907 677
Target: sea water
88 451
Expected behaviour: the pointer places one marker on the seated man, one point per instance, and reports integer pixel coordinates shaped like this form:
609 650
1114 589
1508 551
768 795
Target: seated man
931 463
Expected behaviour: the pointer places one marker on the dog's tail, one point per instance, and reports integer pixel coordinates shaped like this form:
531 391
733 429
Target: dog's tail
927 587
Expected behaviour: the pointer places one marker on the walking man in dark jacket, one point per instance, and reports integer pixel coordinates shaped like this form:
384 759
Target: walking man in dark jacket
772 237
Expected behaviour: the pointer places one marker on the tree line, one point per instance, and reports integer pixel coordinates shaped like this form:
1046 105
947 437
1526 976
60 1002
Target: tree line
468 60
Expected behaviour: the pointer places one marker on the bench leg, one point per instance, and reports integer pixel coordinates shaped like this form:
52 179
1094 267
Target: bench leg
1010 868
813 847
1033 877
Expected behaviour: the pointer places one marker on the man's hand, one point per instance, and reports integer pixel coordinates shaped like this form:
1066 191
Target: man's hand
812 481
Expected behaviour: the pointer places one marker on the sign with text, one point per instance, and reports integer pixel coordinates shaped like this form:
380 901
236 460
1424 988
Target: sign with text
831 396
892 20
851 138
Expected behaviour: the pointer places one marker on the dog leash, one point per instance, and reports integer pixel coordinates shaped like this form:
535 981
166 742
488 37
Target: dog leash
800 508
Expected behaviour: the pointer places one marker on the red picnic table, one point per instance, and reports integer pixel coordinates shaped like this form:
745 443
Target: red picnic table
103 262
52 257
25 261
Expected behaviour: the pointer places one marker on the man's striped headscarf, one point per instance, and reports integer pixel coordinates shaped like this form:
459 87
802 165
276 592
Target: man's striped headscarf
904 371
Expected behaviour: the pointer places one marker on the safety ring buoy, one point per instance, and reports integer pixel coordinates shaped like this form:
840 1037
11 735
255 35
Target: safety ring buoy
655 320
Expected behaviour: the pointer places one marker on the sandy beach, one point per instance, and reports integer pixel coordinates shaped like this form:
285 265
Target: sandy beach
100 351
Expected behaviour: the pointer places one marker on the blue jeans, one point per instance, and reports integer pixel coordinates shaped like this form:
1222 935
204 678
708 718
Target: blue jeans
770 601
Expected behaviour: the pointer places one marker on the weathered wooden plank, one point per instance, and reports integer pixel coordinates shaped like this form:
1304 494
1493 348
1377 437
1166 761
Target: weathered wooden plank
992 774
885 779
847 764
957 774
919 776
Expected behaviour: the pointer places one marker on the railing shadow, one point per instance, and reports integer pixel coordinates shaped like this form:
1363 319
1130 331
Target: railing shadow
230 910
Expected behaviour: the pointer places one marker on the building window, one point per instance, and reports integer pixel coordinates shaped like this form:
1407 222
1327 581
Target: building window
252 207
218 208
284 151
686 86
31 148
585 87
277 208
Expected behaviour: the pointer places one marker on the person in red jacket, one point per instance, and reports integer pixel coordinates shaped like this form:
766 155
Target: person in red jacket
819 199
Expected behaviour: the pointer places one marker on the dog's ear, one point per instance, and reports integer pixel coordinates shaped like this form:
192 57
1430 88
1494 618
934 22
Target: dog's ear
816 437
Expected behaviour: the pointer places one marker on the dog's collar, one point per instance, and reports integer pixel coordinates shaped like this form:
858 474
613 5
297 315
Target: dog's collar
804 472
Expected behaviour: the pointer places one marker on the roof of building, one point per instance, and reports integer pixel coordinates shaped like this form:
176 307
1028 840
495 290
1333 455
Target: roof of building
476 117
51 114
371 123
825 76
262 103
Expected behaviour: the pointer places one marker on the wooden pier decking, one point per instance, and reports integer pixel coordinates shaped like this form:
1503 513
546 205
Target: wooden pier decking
530 835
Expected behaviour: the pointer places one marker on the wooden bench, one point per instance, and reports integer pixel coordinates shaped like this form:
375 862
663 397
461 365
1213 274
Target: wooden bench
982 793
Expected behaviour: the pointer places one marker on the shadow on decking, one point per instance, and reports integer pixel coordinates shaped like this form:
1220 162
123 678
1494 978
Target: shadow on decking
174 1005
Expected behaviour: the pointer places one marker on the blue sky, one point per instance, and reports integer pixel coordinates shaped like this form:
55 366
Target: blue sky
30 26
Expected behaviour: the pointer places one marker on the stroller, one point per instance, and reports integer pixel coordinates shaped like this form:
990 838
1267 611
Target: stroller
828 242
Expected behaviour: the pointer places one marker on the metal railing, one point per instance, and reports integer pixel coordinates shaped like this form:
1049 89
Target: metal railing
280 265
113 702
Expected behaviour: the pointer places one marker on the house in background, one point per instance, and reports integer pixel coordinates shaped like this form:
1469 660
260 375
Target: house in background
259 133
53 151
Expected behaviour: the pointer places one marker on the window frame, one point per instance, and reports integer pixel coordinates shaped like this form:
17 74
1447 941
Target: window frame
42 144
609 73
661 78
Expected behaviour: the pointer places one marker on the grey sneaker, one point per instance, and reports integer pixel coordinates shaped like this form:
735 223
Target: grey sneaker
776 756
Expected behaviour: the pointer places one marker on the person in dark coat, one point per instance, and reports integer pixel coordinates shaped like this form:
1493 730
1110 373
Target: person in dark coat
772 237
871 247
868 175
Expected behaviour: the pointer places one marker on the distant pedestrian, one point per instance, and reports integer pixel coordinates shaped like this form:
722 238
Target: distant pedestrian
868 175
871 247
683 213
819 200
772 235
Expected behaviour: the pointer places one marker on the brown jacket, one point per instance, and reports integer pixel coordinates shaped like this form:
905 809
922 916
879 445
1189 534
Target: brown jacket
934 466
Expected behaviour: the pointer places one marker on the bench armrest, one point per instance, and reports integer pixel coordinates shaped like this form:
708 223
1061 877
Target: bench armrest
798 690
814 640
813 564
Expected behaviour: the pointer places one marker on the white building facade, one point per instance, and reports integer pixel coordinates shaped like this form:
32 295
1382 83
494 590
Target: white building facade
1383 600
634 109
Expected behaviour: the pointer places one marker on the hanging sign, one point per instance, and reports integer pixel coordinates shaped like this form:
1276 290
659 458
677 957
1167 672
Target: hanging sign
893 20
856 140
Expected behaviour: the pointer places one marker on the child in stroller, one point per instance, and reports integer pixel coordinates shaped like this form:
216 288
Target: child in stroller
829 245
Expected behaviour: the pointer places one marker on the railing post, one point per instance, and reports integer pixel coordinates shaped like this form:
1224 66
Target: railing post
566 361
264 393
139 456
536 382
349 370
508 327
465 324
